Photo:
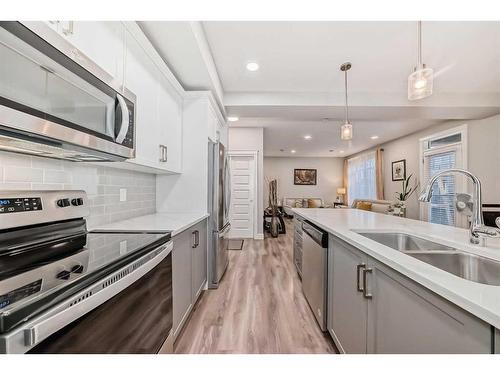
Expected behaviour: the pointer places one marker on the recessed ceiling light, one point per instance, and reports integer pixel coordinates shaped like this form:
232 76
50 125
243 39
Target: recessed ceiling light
252 66
307 137
341 151
233 118
374 137
293 151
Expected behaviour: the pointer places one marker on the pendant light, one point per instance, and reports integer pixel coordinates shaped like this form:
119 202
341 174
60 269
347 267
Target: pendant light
346 129
420 81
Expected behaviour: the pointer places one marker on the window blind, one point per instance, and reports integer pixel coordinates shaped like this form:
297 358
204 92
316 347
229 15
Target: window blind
442 205
361 177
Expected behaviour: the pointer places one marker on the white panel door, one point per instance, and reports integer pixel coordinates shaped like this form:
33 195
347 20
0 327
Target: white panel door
241 212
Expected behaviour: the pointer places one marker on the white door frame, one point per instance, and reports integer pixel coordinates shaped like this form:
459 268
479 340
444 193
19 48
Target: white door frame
253 154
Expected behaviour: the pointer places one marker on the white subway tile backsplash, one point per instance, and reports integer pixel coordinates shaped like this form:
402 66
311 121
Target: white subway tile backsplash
47 186
62 177
46 163
22 174
17 160
15 186
102 184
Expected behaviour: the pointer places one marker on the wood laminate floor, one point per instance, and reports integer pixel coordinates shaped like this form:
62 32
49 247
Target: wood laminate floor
258 308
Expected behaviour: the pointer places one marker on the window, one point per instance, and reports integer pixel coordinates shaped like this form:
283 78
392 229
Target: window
361 177
442 207
439 152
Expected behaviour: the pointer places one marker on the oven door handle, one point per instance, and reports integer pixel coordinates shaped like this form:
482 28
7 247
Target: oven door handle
50 323
125 119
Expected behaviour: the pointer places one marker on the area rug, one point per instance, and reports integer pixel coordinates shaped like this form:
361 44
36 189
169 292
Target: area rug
235 244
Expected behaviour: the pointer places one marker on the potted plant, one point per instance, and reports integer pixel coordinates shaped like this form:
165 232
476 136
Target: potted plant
402 197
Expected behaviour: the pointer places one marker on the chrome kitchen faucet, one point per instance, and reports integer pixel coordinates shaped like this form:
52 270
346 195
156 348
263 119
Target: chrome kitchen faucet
478 231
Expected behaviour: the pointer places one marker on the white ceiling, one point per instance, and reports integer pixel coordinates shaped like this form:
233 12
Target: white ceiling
299 82
305 56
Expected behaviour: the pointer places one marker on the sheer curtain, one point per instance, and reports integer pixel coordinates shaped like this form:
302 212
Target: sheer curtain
362 177
379 165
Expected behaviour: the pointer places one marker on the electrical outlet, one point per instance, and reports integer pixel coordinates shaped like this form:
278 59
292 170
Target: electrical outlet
123 195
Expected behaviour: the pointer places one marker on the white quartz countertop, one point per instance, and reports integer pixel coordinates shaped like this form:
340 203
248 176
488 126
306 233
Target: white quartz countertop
480 300
173 222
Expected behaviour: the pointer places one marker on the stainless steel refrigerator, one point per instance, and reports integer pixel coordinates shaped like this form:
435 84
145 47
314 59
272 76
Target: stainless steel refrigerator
219 200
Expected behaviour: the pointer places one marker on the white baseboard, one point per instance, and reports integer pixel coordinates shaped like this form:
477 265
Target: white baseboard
258 236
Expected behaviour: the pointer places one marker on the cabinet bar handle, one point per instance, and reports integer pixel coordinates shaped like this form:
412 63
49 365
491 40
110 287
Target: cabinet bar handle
162 154
358 281
193 234
365 289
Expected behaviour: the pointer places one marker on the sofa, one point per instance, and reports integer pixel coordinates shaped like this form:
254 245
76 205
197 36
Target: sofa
374 205
289 203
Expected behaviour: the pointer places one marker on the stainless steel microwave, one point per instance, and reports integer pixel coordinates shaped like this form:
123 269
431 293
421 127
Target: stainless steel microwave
52 106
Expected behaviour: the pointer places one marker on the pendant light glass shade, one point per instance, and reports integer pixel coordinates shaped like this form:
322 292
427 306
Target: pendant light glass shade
420 82
346 132
346 129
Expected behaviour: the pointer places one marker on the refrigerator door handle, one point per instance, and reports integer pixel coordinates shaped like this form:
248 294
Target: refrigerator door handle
227 188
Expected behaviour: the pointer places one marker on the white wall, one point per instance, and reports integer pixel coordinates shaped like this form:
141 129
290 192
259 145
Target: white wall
251 139
483 158
329 177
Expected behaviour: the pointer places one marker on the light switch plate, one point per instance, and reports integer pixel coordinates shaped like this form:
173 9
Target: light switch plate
123 195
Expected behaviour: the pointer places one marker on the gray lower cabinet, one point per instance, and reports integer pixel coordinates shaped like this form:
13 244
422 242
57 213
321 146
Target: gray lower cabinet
497 341
374 309
404 317
199 259
189 272
297 243
346 310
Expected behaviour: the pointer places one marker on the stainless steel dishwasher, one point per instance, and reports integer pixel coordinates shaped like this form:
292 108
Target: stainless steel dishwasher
314 268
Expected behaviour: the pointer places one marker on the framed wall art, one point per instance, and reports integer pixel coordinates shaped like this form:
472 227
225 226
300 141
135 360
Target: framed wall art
304 176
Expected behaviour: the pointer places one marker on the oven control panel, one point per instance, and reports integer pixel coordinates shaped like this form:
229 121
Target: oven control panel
32 207
20 293
10 205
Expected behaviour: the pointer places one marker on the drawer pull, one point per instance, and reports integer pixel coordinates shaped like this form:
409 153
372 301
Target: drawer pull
359 267
365 288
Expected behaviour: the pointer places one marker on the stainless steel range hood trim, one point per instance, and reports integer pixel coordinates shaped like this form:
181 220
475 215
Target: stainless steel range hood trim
75 139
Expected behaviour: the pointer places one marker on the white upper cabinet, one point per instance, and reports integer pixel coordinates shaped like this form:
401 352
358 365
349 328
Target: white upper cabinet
103 42
158 109
170 124
122 51
141 78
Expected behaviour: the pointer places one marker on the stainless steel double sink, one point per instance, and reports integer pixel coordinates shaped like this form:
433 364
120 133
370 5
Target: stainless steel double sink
465 265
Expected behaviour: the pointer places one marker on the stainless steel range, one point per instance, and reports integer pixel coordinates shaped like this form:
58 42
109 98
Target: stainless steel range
64 289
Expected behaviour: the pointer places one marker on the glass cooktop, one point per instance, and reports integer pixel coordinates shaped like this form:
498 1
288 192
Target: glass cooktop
37 276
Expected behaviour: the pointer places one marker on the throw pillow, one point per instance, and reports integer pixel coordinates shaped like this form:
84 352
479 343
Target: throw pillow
367 206
313 203
380 208
298 203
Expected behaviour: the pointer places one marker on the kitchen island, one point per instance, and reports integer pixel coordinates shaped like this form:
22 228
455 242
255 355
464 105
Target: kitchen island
464 315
